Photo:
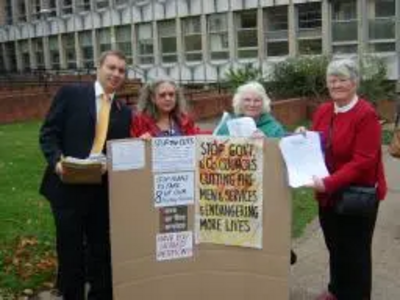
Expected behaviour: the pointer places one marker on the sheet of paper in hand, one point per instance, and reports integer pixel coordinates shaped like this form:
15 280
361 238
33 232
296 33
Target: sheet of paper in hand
303 157
241 127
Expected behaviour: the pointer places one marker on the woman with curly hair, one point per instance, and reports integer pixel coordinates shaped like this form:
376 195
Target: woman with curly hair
162 112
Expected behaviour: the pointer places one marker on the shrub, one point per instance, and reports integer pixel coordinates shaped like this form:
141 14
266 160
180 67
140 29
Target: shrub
305 76
374 84
235 77
298 77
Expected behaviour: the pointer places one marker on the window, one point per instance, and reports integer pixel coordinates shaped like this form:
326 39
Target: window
69 48
310 46
278 48
344 10
52 8
277 41
277 18
382 47
382 23
309 16
344 21
309 28
86 43
100 4
11 55
145 43
191 28
345 49
2 66
35 9
83 5
26 59
66 7
167 36
123 36
247 42
104 39
21 9
9 12
217 28
120 2
38 50
54 53
382 28
385 8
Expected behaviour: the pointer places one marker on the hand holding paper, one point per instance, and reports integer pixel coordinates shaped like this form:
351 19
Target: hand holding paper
304 159
241 127
83 171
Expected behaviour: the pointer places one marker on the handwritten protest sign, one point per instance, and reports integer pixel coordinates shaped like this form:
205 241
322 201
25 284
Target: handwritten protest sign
173 219
172 189
229 191
174 245
173 154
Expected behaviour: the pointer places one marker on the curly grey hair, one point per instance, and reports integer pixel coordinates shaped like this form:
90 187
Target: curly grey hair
255 87
148 92
344 68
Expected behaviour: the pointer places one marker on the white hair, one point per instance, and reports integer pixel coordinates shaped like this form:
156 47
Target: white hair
255 87
344 68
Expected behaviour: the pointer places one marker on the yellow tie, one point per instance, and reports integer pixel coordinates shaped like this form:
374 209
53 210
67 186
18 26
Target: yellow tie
102 124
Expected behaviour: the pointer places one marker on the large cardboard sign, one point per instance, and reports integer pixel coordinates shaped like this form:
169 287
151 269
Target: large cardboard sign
154 253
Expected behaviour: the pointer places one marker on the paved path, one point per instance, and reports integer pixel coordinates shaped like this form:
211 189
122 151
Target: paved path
310 274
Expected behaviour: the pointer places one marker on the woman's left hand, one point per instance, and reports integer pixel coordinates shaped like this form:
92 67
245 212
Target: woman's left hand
258 134
317 184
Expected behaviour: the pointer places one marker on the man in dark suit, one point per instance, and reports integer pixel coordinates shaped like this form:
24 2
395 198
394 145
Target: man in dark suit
80 121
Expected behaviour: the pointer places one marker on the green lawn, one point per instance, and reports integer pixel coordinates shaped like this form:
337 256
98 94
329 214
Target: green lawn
26 225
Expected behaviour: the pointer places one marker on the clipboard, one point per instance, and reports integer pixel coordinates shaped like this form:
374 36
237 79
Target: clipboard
77 173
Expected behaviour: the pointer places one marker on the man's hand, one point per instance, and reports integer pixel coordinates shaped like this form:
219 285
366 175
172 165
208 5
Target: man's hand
103 168
59 169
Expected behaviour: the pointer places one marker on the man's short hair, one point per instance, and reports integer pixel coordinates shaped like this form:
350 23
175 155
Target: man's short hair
105 54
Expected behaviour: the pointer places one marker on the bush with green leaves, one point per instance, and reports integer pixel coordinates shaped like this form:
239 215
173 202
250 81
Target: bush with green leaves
235 77
305 76
374 84
302 76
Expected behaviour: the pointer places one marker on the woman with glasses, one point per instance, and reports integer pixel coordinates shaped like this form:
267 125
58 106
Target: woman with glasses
162 112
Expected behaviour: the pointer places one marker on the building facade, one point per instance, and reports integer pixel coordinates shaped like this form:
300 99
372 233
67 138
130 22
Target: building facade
194 40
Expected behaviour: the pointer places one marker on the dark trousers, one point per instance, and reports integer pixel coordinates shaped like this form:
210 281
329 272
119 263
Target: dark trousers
82 224
349 239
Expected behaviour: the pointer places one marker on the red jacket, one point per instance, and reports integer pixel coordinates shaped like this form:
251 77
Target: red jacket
355 157
142 123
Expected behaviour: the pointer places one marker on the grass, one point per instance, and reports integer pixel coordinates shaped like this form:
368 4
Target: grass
27 258
304 210
26 226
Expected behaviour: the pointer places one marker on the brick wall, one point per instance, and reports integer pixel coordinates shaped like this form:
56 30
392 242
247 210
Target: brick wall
205 105
387 110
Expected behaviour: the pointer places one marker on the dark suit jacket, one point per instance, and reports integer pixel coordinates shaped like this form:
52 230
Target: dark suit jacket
69 130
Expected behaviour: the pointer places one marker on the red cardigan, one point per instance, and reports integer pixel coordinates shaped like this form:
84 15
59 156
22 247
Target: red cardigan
355 157
142 123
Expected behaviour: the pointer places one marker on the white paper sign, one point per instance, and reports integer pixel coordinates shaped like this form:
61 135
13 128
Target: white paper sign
174 245
303 157
128 155
241 127
173 189
173 154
